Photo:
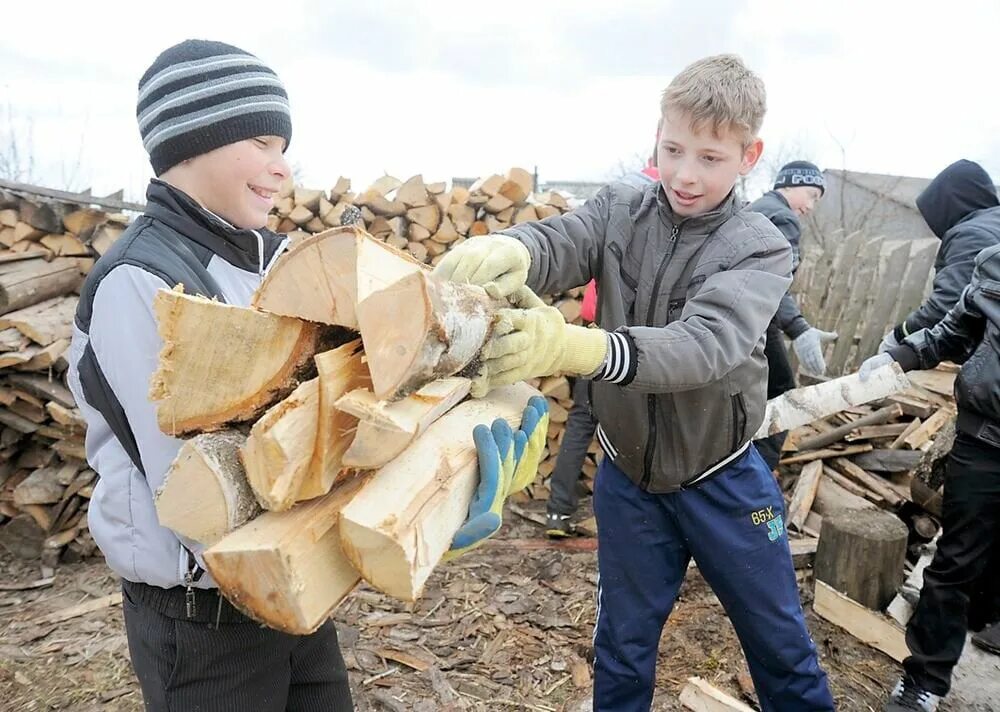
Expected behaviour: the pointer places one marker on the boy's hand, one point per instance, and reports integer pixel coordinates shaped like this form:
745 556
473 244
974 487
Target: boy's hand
497 263
534 340
809 349
508 462
873 364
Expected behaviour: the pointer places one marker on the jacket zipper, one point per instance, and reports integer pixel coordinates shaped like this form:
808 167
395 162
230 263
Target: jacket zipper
260 254
647 470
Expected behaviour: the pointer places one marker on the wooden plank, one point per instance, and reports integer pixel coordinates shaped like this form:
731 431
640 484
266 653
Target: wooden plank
67 197
929 429
891 267
852 487
913 287
97 604
700 696
936 381
871 628
804 494
847 327
872 482
826 454
912 407
840 279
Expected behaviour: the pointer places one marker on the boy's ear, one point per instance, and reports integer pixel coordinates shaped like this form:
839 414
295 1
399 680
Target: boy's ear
751 154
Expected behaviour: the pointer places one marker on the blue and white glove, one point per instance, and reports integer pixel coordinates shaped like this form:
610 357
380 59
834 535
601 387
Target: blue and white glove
508 462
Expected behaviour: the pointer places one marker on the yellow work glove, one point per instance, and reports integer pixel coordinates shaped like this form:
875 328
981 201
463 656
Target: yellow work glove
497 263
534 340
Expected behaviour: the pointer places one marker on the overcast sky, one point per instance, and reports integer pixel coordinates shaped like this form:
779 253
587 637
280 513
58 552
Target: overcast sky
461 88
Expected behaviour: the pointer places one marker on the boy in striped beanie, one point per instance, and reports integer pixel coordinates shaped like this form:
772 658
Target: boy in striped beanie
215 122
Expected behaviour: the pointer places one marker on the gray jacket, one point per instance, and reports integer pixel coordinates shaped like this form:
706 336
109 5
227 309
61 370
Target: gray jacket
114 352
968 334
687 303
775 208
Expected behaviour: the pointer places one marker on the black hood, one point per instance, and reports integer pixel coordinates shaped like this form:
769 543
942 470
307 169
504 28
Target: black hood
958 191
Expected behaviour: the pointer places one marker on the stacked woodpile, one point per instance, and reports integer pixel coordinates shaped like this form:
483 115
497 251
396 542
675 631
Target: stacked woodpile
45 484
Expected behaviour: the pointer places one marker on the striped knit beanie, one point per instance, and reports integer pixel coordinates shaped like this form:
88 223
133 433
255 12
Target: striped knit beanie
199 95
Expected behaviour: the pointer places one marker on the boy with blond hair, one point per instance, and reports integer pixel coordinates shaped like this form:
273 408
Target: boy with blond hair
687 281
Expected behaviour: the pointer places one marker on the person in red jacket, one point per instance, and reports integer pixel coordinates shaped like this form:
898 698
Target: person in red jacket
581 424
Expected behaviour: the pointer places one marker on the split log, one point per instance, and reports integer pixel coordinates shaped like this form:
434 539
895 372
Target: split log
861 554
287 569
209 466
38 281
804 494
801 406
826 454
386 429
45 322
323 277
341 370
397 528
222 364
420 329
278 452
41 487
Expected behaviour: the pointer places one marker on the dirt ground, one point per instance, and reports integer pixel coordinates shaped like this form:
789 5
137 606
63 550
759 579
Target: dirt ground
506 627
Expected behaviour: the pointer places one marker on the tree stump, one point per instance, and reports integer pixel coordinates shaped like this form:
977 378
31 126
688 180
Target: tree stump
861 554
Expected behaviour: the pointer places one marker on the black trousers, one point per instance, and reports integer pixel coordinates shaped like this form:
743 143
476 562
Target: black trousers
780 379
580 426
196 665
970 536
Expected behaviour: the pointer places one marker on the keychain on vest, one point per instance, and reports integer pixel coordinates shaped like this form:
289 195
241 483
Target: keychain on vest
189 601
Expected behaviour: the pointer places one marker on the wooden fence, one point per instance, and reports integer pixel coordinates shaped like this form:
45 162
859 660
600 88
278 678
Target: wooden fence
861 289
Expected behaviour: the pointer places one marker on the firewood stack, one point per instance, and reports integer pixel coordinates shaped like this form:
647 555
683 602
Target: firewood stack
45 483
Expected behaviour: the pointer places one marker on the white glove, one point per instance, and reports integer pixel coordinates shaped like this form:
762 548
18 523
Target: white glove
888 342
873 364
809 349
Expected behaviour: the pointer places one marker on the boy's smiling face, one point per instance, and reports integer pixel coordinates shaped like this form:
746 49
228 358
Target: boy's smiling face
238 181
697 167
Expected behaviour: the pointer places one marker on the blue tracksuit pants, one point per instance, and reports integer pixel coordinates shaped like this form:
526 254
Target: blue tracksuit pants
732 525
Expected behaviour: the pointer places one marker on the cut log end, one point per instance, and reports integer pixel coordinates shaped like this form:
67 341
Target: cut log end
419 329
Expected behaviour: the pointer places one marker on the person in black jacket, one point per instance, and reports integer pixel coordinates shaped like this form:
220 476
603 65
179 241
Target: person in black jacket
798 186
960 206
968 334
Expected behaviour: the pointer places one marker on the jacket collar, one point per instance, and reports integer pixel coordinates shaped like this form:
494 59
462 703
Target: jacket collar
704 224
250 250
